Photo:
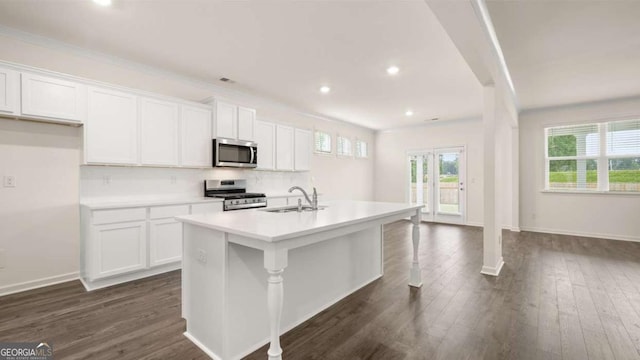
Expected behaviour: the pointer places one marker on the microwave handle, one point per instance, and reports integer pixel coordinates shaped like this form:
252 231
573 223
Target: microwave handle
253 154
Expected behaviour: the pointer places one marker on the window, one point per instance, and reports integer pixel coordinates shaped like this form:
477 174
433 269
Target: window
322 142
343 146
594 157
361 149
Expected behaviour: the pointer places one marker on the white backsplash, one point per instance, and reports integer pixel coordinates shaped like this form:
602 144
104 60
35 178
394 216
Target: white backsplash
114 183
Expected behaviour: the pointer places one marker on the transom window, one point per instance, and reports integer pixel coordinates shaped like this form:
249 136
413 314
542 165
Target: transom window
343 146
322 142
594 157
361 149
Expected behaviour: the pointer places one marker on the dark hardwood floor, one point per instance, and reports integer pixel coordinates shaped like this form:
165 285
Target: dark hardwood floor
558 297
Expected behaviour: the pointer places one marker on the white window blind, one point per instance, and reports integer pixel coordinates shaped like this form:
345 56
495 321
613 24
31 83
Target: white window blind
594 157
322 142
623 138
343 146
361 149
623 155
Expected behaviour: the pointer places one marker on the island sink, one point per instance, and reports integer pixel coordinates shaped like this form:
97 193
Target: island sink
292 208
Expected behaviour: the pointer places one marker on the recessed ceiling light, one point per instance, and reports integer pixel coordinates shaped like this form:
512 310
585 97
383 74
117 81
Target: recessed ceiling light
392 70
325 89
102 2
409 113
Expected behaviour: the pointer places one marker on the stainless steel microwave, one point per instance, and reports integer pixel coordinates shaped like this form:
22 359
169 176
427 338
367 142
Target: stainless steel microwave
235 153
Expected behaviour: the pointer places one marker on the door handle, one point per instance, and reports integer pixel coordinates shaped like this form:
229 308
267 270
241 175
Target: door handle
253 154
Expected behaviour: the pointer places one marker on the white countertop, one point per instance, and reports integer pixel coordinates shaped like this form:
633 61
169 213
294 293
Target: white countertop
272 227
99 204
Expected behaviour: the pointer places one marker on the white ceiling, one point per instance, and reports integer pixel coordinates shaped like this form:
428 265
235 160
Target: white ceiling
283 50
564 52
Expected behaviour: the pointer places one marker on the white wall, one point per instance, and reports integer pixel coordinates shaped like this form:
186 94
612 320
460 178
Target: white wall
39 222
39 217
392 177
601 215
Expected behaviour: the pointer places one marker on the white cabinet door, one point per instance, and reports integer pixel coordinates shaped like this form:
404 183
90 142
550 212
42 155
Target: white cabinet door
47 97
226 120
303 142
246 117
111 131
165 241
265 136
119 248
159 125
9 91
284 147
196 137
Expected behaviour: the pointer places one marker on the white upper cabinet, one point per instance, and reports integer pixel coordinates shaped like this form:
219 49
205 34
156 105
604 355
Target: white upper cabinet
52 98
246 117
9 91
265 137
284 147
159 126
111 131
233 121
196 136
303 142
226 120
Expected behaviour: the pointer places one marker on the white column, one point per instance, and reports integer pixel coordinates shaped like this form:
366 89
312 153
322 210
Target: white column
275 260
515 179
492 233
415 276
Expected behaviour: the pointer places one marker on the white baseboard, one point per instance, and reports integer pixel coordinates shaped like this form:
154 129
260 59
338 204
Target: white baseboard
34 284
578 233
197 343
493 270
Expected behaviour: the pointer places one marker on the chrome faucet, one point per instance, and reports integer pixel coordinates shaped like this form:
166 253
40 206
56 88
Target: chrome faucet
314 202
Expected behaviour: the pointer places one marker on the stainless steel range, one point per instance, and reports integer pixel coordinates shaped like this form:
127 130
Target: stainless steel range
235 195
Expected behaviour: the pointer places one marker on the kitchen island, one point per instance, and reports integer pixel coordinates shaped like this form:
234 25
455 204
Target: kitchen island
232 306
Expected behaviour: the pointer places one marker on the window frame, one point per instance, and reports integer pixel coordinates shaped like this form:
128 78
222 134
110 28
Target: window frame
602 159
350 154
355 147
315 143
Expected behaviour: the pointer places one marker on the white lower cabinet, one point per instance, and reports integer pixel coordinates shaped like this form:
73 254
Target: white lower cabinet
119 248
165 240
124 244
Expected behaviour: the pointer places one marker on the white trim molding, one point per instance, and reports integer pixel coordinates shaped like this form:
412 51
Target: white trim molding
493 270
583 234
38 283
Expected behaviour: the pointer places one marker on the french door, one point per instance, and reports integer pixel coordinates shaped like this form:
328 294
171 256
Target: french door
437 180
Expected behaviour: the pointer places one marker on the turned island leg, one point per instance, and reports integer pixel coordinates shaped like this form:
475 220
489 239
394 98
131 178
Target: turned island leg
275 297
415 276
275 261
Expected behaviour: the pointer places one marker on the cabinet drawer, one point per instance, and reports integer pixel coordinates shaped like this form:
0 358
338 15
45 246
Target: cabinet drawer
119 215
206 208
161 212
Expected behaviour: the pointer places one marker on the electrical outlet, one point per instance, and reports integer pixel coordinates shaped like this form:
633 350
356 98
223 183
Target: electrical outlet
202 256
533 216
106 180
9 181
3 259
173 180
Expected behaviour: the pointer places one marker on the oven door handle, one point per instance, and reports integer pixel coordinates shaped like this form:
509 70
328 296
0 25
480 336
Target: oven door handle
253 154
